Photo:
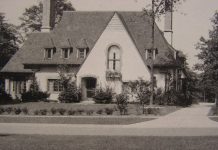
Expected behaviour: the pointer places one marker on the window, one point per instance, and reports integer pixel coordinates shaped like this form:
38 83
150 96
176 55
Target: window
149 54
114 58
24 86
82 53
49 53
54 85
66 53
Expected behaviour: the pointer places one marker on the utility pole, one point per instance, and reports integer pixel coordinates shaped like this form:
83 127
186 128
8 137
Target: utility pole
152 58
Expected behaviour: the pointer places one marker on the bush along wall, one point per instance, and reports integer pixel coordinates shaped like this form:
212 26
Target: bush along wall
34 94
103 96
70 94
5 98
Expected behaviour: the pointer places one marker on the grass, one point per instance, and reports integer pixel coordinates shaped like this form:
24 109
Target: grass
43 142
133 109
214 111
214 118
75 120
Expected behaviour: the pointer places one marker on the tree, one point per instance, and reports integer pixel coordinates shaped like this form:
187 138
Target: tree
32 17
159 7
140 89
70 92
209 57
8 45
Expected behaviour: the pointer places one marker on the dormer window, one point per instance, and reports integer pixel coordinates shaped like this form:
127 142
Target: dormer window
49 52
66 53
82 52
150 54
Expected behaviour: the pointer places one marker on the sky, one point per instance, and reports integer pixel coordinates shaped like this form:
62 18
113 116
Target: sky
190 21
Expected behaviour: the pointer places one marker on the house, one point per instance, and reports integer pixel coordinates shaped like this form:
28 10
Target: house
101 48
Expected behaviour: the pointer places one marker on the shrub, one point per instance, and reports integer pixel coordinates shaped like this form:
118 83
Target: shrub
100 111
9 110
109 111
80 111
53 111
159 98
152 110
17 111
71 112
2 110
71 94
141 89
61 111
4 97
25 111
36 112
33 96
122 103
89 112
177 98
43 112
103 96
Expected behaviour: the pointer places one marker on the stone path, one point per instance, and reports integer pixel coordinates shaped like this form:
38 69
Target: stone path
192 121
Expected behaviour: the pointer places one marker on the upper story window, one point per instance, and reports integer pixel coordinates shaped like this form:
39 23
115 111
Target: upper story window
151 54
114 57
82 53
49 52
66 53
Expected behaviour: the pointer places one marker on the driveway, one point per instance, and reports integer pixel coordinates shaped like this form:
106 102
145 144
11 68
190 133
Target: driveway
195 116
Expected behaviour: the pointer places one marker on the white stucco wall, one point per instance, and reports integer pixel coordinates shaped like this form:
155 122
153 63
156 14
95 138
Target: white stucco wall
132 65
42 77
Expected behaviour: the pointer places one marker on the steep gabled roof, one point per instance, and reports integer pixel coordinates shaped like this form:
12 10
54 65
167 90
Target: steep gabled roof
88 26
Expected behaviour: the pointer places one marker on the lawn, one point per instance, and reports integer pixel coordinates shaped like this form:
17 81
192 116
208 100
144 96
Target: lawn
214 111
133 109
103 120
41 142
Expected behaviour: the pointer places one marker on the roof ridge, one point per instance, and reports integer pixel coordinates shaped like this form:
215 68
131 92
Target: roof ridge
98 11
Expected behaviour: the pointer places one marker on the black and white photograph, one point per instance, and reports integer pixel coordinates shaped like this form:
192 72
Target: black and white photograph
108 74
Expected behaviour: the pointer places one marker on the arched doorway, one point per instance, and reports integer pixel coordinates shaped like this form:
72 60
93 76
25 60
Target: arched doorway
88 87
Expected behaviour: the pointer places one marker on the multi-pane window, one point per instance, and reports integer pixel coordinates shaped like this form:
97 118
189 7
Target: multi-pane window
66 53
82 53
114 58
54 85
49 53
151 54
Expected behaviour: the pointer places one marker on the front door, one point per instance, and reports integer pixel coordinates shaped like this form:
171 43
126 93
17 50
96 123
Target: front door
88 87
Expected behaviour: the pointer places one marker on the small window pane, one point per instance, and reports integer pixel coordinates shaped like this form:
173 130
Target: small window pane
82 53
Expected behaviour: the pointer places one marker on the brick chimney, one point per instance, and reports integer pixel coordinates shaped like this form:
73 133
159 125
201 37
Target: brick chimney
48 16
168 26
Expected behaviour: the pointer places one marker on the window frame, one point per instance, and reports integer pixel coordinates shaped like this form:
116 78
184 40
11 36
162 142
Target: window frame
66 51
49 51
56 86
114 60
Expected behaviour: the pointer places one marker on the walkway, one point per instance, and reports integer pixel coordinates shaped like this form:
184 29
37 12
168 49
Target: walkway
191 121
